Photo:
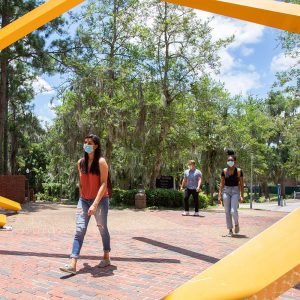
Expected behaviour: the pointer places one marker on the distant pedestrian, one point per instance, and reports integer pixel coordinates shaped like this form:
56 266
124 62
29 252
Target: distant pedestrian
231 192
94 200
192 184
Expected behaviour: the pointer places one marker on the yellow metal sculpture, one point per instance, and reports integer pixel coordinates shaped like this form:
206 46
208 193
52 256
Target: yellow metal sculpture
263 268
34 19
281 15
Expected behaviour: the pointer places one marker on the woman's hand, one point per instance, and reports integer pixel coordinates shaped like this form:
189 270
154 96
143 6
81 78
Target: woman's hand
241 199
220 199
92 210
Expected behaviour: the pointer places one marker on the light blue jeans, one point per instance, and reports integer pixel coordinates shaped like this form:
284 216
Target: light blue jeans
82 221
231 197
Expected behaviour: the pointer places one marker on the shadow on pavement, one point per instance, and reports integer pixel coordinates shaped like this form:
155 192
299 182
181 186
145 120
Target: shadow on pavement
97 272
94 271
240 236
179 250
91 257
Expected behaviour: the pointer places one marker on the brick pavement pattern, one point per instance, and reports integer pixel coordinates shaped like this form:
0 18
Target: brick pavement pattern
153 252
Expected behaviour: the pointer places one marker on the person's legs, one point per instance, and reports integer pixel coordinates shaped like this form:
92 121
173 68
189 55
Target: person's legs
234 208
82 220
227 207
101 219
196 200
187 194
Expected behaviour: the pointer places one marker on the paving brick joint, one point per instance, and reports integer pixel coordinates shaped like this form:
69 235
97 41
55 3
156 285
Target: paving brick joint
153 252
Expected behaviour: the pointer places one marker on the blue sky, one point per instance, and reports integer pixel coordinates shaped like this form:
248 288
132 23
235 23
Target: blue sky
249 64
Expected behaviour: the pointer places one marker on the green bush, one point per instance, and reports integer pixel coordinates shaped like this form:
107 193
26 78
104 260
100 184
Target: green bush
203 201
74 194
164 198
156 198
45 197
123 197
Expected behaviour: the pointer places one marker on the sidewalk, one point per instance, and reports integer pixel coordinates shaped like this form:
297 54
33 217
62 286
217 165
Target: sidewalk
153 252
273 206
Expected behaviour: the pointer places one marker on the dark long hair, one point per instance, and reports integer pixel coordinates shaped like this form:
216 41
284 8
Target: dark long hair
230 153
84 163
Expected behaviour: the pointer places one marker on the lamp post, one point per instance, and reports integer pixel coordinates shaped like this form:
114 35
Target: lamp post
27 193
251 182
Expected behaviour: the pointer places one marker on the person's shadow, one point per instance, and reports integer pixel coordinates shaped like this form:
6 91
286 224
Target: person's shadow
240 236
95 271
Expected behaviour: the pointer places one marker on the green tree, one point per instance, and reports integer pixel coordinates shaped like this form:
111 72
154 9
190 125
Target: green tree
31 52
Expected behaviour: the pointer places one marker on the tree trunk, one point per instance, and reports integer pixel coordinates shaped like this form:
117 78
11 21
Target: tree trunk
109 144
140 126
265 189
159 153
3 110
14 147
5 140
3 88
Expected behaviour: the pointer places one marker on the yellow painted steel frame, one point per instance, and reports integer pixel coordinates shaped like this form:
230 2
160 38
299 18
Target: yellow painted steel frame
263 268
2 220
272 258
281 15
272 13
34 19
9 204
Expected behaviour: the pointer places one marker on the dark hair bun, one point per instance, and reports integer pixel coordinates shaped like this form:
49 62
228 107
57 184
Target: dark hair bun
230 152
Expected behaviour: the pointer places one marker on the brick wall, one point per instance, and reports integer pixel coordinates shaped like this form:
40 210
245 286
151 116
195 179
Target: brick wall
13 187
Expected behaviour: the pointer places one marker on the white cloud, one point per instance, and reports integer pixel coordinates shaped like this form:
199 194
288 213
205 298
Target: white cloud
241 82
44 118
282 62
41 86
245 33
247 51
237 76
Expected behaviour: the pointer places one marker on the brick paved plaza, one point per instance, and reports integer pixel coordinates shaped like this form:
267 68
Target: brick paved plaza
153 252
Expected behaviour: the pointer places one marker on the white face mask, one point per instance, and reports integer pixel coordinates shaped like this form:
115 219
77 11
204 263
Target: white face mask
230 163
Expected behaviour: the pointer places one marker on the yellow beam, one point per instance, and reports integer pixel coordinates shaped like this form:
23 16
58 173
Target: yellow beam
266 265
281 15
33 20
2 220
9 204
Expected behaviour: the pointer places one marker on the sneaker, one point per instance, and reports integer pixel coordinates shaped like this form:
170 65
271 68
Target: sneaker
196 214
237 228
230 233
185 213
68 269
104 263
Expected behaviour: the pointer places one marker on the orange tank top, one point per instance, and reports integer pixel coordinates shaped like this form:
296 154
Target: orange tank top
89 186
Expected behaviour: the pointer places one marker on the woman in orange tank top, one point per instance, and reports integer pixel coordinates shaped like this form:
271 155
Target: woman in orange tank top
94 200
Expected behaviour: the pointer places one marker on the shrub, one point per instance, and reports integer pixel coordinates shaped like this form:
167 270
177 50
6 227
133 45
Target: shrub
203 200
123 197
164 198
157 198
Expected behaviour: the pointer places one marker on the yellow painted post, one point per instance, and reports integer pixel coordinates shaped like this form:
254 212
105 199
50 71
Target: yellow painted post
281 15
2 220
263 268
9 204
34 19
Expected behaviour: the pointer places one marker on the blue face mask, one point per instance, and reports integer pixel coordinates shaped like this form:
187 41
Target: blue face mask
88 148
230 163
